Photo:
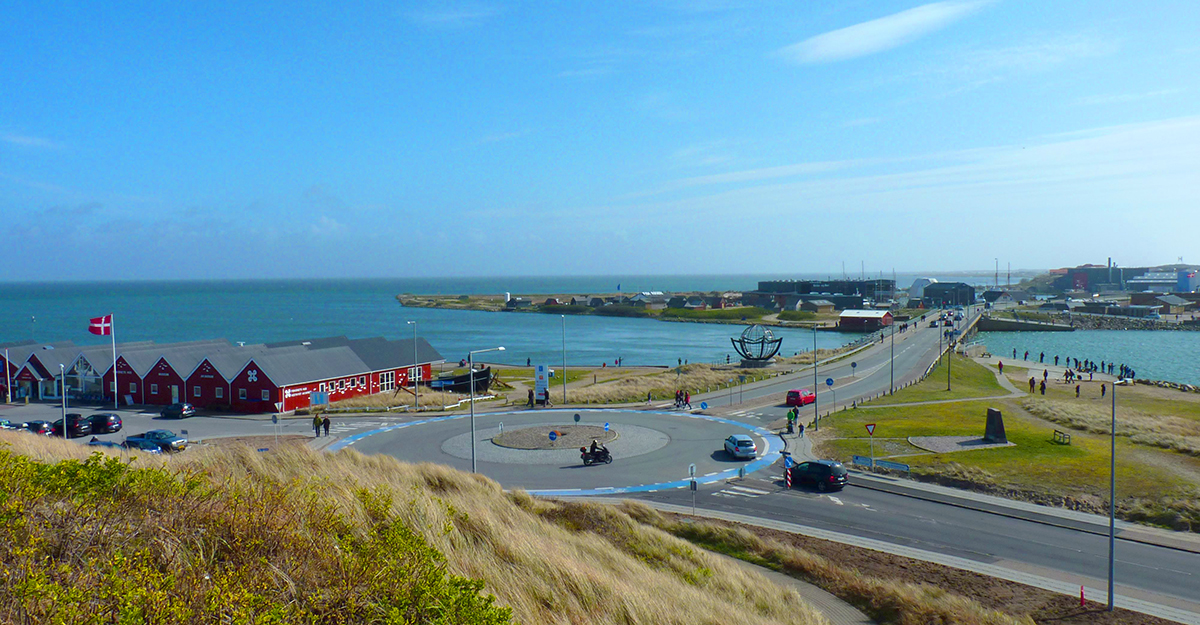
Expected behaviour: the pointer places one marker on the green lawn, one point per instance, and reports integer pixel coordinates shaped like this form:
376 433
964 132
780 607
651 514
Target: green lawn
1035 464
968 379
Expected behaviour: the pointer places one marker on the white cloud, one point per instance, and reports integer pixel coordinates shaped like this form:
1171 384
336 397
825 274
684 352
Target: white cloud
1118 98
454 15
878 35
30 142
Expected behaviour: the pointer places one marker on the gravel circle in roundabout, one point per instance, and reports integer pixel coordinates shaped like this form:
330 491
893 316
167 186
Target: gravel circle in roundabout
566 436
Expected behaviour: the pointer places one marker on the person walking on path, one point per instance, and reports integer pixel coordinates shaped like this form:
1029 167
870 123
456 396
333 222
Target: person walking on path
1032 382
529 402
1101 390
1045 374
649 397
1077 391
546 399
316 426
687 400
1055 360
1042 357
801 430
1026 355
1042 387
1014 353
325 424
1000 365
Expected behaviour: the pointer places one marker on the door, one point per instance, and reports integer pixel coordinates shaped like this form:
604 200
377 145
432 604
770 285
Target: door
174 394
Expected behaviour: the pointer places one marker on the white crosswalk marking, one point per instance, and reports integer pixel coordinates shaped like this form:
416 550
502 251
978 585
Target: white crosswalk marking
752 490
741 491
836 500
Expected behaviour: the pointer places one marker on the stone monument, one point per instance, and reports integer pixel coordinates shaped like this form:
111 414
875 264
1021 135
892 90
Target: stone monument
993 432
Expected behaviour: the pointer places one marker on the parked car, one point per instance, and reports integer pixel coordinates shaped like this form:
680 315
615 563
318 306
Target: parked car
105 422
95 442
40 427
800 397
826 474
6 424
145 446
165 439
77 426
741 446
178 411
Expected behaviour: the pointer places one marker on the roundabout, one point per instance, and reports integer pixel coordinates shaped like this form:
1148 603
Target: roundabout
651 449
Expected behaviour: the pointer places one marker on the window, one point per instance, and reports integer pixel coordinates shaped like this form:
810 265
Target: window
113 386
414 373
133 387
241 393
195 391
154 389
387 381
322 388
220 392
362 380
341 384
266 395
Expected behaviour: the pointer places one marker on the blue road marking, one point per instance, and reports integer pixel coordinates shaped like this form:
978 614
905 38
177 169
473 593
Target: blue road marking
773 441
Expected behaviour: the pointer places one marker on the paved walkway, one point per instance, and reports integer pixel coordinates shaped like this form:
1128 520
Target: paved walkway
836 611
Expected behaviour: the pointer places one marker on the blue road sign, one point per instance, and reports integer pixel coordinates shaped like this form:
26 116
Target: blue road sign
828 381
264 449
862 461
788 462
704 405
853 365
577 417
605 426
895 466
553 435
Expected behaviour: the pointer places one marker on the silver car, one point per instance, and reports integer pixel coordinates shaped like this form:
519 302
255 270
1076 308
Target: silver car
741 446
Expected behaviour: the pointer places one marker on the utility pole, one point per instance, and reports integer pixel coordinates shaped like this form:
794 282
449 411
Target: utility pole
564 346
415 375
816 413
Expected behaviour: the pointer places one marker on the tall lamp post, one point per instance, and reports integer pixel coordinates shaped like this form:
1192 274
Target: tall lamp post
564 369
892 362
471 378
1112 501
416 371
816 413
62 388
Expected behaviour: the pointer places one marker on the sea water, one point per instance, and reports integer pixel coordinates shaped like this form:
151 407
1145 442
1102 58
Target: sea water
1153 354
263 311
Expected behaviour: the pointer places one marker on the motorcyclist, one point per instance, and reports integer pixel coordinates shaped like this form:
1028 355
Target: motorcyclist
595 446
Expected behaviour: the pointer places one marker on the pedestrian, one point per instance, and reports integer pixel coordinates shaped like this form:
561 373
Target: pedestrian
1045 374
1042 357
1014 353
726 358
1076 391
687 399
529 400
1090 372
1026 355
1042 387
316 426
1056 360
801 430
679 361
325 424
1032 382
528 362
546 398
649 397
1000 365
1101 390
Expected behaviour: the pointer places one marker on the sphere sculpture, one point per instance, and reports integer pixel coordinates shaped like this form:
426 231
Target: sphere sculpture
757 344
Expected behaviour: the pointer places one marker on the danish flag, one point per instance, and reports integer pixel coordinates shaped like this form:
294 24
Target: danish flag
101 325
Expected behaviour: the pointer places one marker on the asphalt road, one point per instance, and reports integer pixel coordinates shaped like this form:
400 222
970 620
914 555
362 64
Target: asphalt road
955 531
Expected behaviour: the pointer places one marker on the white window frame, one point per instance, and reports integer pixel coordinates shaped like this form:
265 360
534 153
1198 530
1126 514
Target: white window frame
241 393
195 391
321 388
220 392
266 395
133 387
415 374
154 389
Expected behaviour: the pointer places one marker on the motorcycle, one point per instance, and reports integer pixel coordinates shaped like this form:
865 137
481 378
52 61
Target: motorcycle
590 458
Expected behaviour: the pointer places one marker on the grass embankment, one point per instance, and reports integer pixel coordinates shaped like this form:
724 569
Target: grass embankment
694 379
884 601
230 535
967 380
716 314
429 399
1153 485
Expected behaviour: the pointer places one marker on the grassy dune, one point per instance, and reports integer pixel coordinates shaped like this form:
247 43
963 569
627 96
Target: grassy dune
230 535
692 378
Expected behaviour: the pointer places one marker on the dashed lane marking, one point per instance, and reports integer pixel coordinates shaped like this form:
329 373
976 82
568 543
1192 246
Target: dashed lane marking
836 500
752 490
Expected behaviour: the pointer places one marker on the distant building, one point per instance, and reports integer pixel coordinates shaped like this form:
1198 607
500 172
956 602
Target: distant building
1180 281
1174 305
864 320
1003 298
817 306
949 294
551 301
518 303
917 290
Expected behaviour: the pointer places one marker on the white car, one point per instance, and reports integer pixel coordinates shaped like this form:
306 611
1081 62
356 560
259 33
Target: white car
741 446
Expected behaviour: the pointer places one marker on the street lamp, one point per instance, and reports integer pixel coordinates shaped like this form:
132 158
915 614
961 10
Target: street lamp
415 375
564 369
62 388
471 378
816 413
1112 500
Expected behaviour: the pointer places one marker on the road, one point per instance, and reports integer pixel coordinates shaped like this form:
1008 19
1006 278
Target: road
957 531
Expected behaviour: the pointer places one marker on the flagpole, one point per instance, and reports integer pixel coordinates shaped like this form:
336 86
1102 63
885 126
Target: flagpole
112 324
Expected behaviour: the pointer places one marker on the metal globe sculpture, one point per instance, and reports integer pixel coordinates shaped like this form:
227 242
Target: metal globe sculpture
757 344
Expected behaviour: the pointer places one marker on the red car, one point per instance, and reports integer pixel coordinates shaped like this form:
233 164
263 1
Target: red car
800 397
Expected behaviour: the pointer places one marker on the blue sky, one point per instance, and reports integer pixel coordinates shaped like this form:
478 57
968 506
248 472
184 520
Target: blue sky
240 140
